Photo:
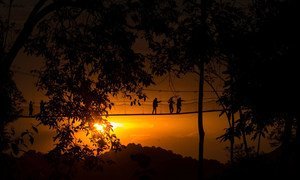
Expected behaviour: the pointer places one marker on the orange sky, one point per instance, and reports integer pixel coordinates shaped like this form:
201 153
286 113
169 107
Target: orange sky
177 133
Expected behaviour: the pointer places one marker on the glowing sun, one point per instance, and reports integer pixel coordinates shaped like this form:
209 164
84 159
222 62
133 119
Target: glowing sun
102 127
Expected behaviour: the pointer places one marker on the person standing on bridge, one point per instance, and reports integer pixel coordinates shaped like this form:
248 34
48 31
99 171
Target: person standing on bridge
178 105
155 105
171 104
30 108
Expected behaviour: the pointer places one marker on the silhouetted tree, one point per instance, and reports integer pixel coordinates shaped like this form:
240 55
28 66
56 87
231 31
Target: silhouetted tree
232 23
10 97
186 48
87 48
262 66
88 57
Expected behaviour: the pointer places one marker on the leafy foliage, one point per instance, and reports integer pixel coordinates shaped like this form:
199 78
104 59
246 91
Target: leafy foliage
189 40
10 101
88 59
258 48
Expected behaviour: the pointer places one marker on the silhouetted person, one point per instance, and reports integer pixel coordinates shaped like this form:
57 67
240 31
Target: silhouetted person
42 107
178 105
171 105
155 104
30 108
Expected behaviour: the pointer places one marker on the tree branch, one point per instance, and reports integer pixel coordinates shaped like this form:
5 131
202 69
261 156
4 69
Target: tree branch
36 15
219 97
24 34
8 23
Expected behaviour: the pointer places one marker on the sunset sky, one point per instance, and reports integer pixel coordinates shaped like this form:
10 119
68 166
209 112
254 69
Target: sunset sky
149 89
175 132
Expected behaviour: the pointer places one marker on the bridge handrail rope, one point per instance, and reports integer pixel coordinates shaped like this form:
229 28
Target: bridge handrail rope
145 114
190 105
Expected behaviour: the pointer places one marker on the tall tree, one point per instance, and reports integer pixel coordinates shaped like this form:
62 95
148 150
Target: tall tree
87 48
89 56
10 97
263 67
233 23
187 47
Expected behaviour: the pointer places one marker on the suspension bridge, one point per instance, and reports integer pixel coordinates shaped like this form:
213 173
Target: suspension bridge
145 109
123 107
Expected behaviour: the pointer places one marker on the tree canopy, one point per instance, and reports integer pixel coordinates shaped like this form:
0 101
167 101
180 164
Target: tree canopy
87 48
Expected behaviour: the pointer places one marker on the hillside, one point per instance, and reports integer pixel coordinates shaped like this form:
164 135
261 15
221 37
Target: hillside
133 162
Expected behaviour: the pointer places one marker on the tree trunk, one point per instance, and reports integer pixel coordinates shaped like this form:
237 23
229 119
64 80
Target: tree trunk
297 150
245 144
287 134
39 11
242 120
202 62
298 133
286 149
286 140
258 144
35 16
200 121
232 139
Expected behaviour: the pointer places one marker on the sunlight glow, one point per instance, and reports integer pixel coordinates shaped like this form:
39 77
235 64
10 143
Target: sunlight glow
116 125
99 127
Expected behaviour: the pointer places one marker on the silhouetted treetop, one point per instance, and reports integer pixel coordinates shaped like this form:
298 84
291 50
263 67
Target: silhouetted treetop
260 50
89 56
87 48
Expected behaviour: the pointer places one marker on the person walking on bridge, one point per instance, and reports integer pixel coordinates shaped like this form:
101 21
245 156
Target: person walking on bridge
155 105
171 104
178 105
